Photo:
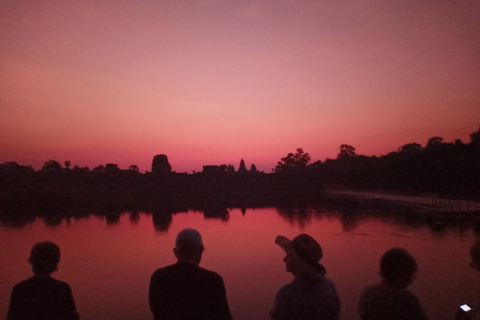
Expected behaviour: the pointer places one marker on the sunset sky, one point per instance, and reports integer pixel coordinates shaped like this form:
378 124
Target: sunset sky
211 81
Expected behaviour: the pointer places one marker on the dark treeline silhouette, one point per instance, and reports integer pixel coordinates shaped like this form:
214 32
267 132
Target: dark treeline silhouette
56 188
439 167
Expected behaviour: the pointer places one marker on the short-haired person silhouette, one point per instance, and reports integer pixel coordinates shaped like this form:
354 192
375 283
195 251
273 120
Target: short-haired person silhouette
184 290
311 295
389 299
42 297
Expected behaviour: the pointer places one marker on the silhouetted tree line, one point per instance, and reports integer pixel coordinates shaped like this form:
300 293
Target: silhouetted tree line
439 167
57 188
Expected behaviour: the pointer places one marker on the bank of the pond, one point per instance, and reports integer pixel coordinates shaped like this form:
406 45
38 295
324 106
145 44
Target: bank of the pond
428 202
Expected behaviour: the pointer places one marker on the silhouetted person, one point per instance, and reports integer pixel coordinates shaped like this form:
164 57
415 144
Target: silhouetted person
389 299
42 297
185 291
310 295
473 314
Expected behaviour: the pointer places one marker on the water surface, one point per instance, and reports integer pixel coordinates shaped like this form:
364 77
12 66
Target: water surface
109 264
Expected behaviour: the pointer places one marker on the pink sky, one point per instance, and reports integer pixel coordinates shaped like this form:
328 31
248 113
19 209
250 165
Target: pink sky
211 82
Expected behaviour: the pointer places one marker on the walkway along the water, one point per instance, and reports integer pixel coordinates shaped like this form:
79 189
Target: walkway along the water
438 204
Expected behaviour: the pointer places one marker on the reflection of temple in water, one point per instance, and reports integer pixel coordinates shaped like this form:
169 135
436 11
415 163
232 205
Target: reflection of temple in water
162 218
349 211
217 213
161 221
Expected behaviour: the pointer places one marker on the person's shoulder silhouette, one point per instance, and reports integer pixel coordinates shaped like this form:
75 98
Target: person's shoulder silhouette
184 290
41 296
390 299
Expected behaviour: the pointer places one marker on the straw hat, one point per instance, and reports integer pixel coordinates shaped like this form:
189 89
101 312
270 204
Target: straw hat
306 254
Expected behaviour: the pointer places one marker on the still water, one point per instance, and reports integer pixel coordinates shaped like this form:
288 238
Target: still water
108 265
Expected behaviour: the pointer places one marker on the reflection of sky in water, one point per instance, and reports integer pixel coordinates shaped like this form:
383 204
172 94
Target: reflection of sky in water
109 264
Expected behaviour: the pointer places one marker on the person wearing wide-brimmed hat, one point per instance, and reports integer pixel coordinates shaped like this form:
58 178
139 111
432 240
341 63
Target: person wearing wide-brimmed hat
310 295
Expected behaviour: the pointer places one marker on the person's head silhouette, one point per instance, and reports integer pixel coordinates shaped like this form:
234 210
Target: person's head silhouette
44 258
189 246
398 267
475 255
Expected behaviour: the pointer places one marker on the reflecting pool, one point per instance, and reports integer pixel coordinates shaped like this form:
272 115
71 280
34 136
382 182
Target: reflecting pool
108 261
